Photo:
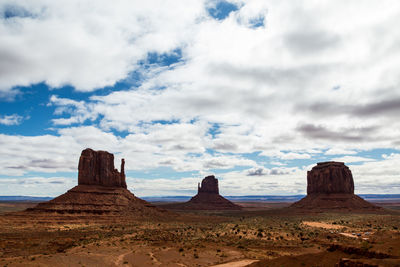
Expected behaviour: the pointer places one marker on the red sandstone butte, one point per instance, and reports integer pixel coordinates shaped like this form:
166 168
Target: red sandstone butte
207 198
101 189
97 168
208 185
330 178
330 186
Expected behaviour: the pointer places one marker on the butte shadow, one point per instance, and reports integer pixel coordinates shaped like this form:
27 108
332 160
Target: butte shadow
101 189
207 198
330 187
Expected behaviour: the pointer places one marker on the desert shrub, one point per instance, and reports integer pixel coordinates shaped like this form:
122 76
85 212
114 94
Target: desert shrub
365 245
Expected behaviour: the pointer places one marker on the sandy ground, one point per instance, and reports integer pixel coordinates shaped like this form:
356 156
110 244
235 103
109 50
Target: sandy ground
199 239
348 235
323 225
241 263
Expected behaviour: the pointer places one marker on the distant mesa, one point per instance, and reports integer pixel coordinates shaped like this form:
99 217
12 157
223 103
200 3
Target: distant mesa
330 186
207 198
101 189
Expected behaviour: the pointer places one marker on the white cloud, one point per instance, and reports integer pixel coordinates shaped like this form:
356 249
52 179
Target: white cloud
377 176
87 44
286 156
13 119
318 77
36 186
261 171
340 151
352 159
265 93
38 154
177 146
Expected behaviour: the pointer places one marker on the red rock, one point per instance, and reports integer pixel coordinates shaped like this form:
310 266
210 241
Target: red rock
207 198
97 168
330 186
101 189
208 185
330 178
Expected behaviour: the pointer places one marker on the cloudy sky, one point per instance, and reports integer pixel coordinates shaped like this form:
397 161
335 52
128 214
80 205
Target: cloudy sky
255 92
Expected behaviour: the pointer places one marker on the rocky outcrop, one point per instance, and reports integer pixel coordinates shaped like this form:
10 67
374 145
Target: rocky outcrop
207 198
101 189
97 168
208 185
330 186
330 178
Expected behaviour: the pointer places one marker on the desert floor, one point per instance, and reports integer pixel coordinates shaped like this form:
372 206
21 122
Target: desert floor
264 234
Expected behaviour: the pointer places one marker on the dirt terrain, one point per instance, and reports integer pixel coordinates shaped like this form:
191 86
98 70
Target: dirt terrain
10 206
256 236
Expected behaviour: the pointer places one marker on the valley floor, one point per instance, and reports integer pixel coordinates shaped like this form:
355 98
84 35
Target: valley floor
257 236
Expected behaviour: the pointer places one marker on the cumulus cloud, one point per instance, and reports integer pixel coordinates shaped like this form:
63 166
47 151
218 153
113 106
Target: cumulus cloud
383 107
350 134
253 82
36 186
257 172
339 151
261 171
286 156
13 119
78 110
87 44
271 80
352 159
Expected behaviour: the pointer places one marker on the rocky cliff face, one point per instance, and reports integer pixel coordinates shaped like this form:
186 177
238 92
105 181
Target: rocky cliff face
330 178
209 185
97 168
101 189
330 186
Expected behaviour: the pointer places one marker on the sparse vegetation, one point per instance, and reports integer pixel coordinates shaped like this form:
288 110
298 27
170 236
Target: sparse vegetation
221 238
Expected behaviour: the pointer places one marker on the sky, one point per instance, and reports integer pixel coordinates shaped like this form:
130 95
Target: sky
256 92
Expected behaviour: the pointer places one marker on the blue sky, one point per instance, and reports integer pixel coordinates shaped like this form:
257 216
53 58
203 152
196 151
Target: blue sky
255 92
